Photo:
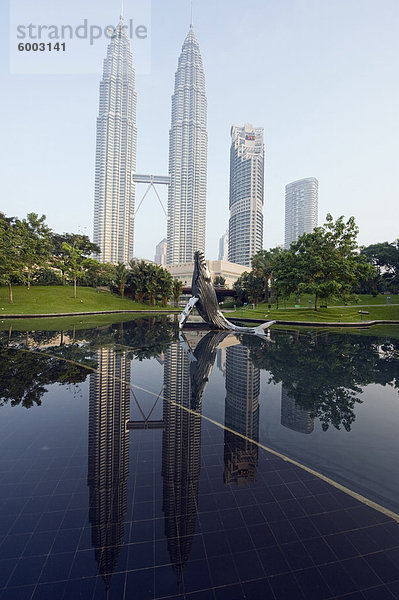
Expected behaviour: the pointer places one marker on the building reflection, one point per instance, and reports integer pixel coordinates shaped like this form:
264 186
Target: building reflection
294 416
181 447
108 456
186 373
241 416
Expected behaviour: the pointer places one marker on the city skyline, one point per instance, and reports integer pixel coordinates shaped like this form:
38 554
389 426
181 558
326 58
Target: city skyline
332 54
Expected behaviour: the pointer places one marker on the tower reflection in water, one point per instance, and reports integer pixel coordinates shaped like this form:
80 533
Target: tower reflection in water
108 459
186 374
294 416
181 456
241 416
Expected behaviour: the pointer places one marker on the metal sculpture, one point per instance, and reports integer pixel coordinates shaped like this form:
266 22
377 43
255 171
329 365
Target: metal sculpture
205 301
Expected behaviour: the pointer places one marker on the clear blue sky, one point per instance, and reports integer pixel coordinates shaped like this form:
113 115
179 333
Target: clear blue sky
321 77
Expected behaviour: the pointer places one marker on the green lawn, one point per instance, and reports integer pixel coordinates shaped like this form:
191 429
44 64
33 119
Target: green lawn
331 314
59 299
307 300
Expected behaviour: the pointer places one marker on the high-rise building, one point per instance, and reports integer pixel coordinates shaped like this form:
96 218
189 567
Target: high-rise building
160 253
301 200
246 193
242 416
224 246
187 157
116 153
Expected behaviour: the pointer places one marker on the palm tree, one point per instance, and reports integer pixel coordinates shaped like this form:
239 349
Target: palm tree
177 288
121 274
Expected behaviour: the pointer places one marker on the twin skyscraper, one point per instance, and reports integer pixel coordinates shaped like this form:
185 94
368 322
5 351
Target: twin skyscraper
115 170
114 206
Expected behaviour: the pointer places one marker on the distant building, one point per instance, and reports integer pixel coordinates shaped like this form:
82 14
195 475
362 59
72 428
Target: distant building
230 271
160 253
188 141
301 205
224 247
246 193
116 153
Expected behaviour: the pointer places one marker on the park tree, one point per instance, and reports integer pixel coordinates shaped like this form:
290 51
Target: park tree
35 244
249 287
219 281
326 262
137 280
10 251
60 258
121 275
74 262
263 263
385 258
96 273
177 288
164 284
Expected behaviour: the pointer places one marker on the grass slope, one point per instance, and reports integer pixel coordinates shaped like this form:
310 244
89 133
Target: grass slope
59 299
330 314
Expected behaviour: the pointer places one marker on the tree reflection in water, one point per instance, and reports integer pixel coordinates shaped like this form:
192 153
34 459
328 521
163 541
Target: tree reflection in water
325 372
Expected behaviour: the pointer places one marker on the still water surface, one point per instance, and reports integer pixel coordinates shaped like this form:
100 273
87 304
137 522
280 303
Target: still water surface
132 459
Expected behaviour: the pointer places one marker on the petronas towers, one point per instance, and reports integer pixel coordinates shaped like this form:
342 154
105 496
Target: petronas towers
116 153
114 203
187 157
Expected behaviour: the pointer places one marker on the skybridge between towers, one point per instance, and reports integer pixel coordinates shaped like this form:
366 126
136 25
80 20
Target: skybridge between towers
151 181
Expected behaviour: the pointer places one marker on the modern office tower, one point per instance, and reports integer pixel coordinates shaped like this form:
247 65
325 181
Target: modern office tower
241 415
294 416
181 456
301 200
108 456
160 253
224 246
187 157
246 193
116 153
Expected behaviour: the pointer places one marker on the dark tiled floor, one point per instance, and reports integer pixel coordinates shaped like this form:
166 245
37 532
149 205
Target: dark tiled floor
284 535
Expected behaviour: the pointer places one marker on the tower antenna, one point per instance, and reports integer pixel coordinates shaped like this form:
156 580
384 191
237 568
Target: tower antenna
191 18
121 10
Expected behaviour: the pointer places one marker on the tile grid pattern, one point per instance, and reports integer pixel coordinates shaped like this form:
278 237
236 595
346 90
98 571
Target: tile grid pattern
288 535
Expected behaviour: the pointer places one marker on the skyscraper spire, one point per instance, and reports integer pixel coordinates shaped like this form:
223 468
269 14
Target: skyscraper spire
187 157
191 18
116 152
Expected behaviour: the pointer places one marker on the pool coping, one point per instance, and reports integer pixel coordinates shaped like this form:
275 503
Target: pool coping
86 313
321 323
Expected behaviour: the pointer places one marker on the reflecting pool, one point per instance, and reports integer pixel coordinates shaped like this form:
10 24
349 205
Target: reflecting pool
137 463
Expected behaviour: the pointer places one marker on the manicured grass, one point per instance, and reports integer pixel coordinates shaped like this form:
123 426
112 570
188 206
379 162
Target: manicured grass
331 314
307 300
59 299
69 323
